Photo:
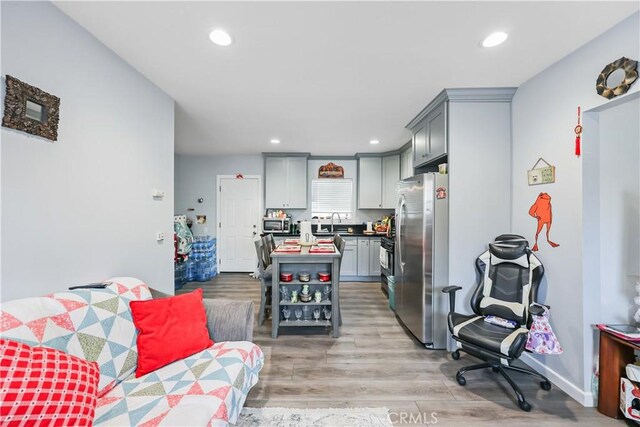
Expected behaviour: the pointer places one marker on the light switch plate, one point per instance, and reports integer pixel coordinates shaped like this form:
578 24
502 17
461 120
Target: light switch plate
160 236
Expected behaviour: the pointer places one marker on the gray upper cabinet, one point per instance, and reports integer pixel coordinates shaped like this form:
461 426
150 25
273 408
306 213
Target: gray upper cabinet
406 163
297 182
285 182
436 124
275 182
430 134
370 183
377 177
390 176
419 143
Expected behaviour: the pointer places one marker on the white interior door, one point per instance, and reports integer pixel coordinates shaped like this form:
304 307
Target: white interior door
238 223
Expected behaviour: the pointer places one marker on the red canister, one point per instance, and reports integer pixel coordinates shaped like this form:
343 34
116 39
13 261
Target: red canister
324 276
286 277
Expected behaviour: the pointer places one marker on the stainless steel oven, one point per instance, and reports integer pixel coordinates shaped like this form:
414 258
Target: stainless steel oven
387 264
276 225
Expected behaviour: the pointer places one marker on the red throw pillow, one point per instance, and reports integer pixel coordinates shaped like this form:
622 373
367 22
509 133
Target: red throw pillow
169 329
46 387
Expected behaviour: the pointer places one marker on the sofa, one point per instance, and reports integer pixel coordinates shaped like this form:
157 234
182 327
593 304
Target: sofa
206 388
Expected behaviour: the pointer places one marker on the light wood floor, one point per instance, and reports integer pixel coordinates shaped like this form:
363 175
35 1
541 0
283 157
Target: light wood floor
374 363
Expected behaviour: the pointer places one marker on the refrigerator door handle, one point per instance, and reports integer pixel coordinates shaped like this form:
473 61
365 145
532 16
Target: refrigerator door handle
401 208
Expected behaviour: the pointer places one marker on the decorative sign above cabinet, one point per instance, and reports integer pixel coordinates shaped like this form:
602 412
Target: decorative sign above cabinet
331 170
30 109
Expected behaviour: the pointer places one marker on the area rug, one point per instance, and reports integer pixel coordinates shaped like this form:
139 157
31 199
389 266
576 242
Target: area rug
295 417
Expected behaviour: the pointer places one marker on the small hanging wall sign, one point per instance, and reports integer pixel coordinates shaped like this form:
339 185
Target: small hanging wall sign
543 175
578 131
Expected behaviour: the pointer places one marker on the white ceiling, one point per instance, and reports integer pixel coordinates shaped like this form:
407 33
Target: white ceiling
326 77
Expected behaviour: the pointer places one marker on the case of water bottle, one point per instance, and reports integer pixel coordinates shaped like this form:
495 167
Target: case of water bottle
201 264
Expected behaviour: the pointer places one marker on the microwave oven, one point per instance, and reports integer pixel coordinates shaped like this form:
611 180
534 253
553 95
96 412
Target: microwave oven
276 225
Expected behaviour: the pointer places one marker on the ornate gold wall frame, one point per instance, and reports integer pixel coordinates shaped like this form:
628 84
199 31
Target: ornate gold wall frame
616 78
30 109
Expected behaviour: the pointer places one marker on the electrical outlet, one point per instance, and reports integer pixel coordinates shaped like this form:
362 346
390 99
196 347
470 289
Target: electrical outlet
160 236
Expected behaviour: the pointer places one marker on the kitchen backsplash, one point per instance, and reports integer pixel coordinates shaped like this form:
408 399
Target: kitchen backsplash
361 216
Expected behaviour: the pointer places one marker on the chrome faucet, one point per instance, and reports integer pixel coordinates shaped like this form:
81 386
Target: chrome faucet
339 219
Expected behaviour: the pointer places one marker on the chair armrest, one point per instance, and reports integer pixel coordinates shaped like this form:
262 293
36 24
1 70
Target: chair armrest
537 309
229 320
451 290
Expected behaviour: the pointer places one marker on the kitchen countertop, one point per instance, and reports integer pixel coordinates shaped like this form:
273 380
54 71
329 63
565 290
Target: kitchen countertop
354 234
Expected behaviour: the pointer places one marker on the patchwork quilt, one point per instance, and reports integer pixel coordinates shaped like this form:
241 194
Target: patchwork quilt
208 388
94 324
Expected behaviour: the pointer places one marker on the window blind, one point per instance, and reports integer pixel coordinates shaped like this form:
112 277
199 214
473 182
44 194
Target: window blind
331 195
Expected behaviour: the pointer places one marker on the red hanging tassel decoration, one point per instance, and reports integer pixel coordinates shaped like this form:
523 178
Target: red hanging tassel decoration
578 131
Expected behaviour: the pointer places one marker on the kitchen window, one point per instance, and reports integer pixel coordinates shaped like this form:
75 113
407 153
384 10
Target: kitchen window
332 195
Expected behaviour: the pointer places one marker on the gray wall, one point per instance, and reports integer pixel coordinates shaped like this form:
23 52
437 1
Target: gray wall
544 115
479 186
195 177
80 209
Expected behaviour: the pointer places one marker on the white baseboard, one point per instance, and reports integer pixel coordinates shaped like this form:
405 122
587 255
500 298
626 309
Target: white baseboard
584 398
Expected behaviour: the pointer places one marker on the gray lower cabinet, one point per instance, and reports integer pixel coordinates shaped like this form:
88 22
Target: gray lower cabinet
369 256
364 260
361 259
374 256
350 258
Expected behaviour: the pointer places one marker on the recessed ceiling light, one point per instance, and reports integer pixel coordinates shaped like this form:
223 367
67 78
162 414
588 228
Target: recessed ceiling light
220 37
374 141
495 39
275 141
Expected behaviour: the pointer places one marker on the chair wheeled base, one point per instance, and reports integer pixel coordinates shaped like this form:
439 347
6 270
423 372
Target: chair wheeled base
497 367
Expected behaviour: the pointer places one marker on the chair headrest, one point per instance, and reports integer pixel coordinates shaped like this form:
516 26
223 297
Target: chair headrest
512 251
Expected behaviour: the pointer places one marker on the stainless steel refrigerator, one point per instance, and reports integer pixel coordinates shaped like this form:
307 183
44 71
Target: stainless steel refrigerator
422 256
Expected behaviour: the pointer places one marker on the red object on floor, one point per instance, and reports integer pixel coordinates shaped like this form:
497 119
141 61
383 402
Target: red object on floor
46 387
169 329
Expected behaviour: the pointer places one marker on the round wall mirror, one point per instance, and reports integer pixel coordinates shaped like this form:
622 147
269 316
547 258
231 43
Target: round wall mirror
616 78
